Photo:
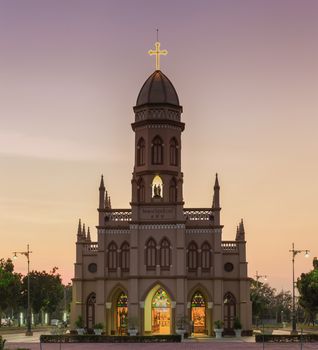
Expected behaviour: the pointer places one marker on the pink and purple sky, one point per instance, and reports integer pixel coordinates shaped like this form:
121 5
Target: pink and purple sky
246 72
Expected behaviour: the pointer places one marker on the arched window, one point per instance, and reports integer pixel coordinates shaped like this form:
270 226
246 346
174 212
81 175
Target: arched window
229 310
174 152
157 187
165 255
124 256
192 256
141 190
157 151
205 256
141 152
112 256
173 190
150 257
90 310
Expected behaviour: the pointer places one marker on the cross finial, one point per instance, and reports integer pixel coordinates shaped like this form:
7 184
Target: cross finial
157 52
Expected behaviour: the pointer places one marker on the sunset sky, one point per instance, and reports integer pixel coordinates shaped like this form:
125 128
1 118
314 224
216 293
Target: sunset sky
246 72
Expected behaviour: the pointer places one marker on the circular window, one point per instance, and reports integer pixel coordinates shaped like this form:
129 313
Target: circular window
92 267
228 267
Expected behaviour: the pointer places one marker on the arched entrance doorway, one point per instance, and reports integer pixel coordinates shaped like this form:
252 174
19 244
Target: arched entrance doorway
161 312
198 313
122 314
90 310
229 311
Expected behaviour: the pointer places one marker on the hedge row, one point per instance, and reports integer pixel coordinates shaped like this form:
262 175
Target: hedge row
286 338
90 338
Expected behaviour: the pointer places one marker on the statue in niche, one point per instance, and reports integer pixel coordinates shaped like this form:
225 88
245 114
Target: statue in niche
157 191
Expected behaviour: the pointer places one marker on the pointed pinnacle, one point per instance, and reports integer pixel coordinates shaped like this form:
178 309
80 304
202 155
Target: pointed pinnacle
242 230
79 229
216 184
88 234
102 186
84 231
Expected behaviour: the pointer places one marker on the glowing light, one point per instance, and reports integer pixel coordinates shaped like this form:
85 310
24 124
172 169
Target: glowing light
157 52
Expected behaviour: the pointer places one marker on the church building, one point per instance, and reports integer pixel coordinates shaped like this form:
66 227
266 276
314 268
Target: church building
158 266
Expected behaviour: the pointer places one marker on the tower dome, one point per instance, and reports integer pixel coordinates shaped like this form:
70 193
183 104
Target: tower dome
157 89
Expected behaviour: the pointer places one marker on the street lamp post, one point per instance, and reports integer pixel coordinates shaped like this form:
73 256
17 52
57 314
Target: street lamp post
27 255
294 253
257 277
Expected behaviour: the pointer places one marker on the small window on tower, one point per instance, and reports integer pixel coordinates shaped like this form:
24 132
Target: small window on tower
157 150
141 152
157 187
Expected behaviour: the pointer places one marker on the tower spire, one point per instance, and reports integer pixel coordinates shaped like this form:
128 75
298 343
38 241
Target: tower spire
101 193
79 229
216 195
88 238
84 232
240 232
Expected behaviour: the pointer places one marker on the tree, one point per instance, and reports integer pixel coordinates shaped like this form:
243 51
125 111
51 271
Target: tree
263 300
307 286
283 305
46 290
268 304
10 286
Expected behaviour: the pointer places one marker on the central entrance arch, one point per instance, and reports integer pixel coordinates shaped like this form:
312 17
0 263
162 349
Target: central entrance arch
198 313
161 312
158 315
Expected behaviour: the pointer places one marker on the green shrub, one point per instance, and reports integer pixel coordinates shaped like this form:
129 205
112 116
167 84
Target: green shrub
90 338
218 324
98 326
79 323
286 338
2 342
237 323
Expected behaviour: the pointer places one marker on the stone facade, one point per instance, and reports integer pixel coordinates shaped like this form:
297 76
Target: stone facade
159 266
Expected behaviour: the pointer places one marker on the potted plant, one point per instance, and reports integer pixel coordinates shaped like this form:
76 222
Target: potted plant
218 329
98 328
181 326
79 323
237 327
132 326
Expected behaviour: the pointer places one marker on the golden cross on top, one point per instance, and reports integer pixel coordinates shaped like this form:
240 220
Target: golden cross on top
158 53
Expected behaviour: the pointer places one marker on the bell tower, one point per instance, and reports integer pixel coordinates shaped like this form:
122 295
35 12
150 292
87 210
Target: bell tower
157 178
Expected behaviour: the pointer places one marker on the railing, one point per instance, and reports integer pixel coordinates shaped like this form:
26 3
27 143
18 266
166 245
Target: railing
229 246
120 215
91 247
198 214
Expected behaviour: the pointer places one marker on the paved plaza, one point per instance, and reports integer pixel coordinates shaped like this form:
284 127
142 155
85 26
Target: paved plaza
188 345
15 341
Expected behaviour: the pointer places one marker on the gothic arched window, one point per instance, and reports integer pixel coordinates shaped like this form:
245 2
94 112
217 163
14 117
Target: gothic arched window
90 310
192 256
165 254
112 256
173 190
141 190
157 151
205 256
124 256
151 252
174 152
141 152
